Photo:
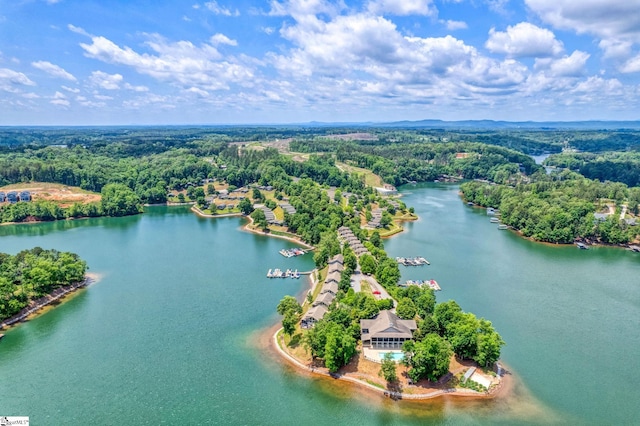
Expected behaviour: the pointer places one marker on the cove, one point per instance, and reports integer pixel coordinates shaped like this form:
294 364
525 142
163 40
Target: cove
171 331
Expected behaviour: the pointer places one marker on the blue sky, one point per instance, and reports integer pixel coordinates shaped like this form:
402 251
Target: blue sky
86 62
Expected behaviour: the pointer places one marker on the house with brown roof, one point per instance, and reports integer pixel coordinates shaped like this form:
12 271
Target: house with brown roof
312 316
334 276
330 287
386 331
325 299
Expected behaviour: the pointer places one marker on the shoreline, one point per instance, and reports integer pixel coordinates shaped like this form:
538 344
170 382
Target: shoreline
624 246
268 234
199 212
503 389
58 295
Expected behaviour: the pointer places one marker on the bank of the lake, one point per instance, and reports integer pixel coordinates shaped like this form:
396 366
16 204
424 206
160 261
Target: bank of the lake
40 306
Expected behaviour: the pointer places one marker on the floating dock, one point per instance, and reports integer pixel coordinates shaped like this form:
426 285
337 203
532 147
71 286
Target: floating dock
412 261
292 252
582 246
279 273
432 284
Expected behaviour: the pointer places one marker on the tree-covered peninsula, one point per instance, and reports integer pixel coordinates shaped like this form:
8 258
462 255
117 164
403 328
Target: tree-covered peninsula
32 274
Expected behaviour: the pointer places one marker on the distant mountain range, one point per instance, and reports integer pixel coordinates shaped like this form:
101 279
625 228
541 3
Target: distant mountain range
495 125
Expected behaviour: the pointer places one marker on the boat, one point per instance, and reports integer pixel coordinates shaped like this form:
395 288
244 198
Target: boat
469 203
269 274
635 248
494 220
434 285
1 336
582 246
503 226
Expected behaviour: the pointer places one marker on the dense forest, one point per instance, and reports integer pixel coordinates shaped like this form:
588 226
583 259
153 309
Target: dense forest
34 273
607 166
560 208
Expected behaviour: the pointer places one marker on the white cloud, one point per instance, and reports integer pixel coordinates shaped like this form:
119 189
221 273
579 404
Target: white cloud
603 18
632 65
59 99
214 7
181 63
136 88
455 25
301 8
402 7
78 30
10 80
567 66
222 39
198 92
53 70
615 49
71 89
31 95
524 40
362 52
60 102
106 81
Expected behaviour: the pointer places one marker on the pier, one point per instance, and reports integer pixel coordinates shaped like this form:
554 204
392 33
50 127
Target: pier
279 273
292 252
432 284
412 261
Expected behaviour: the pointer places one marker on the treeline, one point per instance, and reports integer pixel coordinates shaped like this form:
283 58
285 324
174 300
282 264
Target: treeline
34 273
117 200
613 166
401 163
559 209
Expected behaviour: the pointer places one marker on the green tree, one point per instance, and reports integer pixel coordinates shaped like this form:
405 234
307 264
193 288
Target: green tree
288 303
376 240
427 359
259 219
446 313
406 309
388 368
367 264
119 200
246 206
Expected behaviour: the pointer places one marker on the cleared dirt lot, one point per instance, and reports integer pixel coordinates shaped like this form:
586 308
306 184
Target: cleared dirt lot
60 194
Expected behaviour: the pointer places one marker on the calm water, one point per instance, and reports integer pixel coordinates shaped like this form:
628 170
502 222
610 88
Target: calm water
168 334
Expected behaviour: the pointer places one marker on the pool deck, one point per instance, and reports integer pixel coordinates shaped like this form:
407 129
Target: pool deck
374 354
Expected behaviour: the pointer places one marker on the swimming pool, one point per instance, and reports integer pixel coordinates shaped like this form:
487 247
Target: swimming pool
396 356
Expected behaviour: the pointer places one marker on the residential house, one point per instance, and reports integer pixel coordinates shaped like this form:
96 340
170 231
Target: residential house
386 331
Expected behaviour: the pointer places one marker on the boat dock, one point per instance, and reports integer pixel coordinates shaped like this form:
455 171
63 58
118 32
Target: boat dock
432 284
292 252
412 261
635 248
279 273
582 246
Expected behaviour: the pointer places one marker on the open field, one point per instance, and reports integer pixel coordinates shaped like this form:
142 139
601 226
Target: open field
370 178
62 195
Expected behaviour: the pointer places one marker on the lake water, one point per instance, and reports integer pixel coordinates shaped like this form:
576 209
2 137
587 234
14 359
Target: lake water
168 334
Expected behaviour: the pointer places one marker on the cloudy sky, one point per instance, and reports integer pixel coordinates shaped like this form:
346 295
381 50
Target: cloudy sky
85 62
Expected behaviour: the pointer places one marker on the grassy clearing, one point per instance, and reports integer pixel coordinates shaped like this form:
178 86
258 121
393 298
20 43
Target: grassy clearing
370 178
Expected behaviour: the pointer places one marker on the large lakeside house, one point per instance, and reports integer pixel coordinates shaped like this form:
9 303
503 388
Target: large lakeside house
386 331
